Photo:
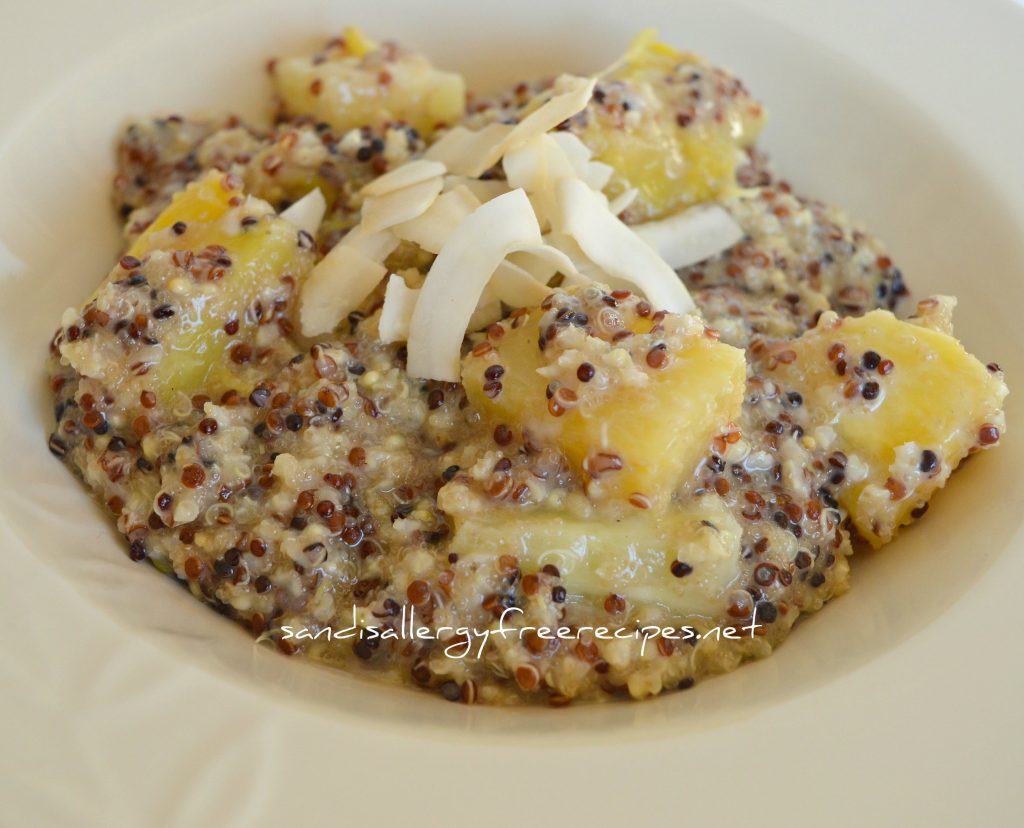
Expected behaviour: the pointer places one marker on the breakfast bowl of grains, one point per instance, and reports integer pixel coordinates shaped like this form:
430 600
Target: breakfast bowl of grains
443 376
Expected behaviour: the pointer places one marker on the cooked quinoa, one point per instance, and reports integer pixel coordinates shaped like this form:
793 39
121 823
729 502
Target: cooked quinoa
313 484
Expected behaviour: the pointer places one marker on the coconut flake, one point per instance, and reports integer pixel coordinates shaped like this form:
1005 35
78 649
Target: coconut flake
432 229
406 175
307 212
691 236
488 311
483 189
398 206
377 246
537 166
336 287
395 316
470 153
597 175
575 150
622 201
616 249
458 277
544 261
515 286
571 96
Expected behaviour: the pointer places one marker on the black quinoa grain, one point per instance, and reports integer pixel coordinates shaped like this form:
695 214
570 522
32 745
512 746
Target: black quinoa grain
585 373
449 473
681 569
929 461
259 396
766 611
137 550
870 360
262 584
558 594
870 390
451 691
294 422
816 580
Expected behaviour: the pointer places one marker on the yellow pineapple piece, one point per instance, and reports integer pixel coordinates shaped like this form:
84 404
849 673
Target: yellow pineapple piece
358 83
641 424
632 557
906 404
216 260
674 148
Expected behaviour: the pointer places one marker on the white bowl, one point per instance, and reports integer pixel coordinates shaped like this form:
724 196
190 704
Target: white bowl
837 131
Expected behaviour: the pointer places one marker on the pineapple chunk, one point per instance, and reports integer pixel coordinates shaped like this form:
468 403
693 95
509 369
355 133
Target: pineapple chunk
631 557
906 403
631 429
204 270
357 83
676 148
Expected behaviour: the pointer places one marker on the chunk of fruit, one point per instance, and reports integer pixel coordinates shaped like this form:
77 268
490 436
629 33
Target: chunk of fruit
356 83
906 404
634 557
633 401
183 311
672 126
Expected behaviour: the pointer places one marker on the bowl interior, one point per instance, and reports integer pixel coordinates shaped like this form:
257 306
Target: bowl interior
835 131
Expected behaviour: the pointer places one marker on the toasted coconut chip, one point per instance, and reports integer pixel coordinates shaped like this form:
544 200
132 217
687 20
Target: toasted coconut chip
473 153
408 174
395 316
432 229
616 249
544 261
377 246
483 189
597 175
336 287
585 269
516 287
537 166
399 206
622 201
466 152
575 150
691 236
307 212
488 311
458 277
571 96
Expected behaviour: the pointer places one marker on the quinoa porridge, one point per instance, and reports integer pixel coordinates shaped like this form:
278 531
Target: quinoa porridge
565 360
